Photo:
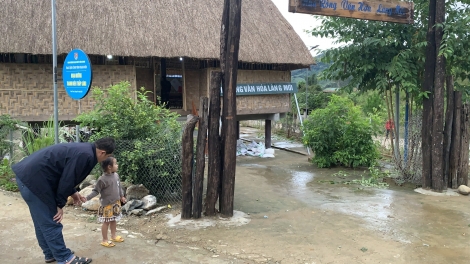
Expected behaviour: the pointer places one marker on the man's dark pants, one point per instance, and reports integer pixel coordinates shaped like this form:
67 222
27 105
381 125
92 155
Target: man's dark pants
48 232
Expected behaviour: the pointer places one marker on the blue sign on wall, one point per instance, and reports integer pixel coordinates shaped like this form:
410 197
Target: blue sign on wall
77 74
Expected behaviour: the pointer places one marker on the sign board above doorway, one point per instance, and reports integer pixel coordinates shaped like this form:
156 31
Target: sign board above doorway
77 74
379 10
264 88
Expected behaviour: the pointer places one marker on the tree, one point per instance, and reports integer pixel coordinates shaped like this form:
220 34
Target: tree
378 56
341 134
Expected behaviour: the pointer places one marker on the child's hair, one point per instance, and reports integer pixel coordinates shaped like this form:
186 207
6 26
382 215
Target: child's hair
106 163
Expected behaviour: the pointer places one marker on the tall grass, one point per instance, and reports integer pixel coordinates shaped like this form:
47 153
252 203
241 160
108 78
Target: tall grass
34 141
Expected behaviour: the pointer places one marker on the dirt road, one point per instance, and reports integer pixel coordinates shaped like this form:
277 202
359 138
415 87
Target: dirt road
296 217
18 244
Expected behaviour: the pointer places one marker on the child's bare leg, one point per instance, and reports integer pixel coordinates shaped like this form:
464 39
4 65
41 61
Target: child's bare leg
112 226
104 231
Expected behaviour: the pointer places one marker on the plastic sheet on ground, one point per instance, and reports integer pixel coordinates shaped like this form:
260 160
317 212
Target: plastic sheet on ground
252 149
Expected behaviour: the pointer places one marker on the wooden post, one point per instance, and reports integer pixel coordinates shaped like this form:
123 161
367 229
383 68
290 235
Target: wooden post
455 143
162 68
223 60
267 133
463 166
187 168
200 158
428 86
230 108
449 116
214 162
238 129
437 177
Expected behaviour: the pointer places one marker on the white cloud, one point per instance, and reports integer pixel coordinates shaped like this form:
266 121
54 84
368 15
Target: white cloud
300 23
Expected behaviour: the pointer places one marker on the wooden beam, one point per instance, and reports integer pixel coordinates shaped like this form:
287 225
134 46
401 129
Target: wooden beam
200 157
379 10
213 176
187 168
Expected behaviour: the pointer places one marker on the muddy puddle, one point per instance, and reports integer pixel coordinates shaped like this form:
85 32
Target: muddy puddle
395 211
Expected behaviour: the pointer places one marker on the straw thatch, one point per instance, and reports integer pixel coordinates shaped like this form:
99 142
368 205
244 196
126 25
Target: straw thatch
142 28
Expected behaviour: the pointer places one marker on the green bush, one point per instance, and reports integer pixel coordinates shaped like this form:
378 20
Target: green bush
7 124
341 135
6 176
148 137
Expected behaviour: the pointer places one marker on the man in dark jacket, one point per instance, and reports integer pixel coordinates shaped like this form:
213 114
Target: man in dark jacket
46 179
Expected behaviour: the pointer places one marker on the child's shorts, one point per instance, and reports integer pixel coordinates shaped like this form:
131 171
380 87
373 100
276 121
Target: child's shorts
109 213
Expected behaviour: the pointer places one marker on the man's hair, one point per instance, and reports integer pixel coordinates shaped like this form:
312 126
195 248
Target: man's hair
107 144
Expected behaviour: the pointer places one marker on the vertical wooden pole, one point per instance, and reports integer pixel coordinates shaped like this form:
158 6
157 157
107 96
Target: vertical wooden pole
267 133
200 158
187 168
428 87
214 167
162 68
185 103
455 143
223 61
464 141
438 103
449 116
230 108
238 129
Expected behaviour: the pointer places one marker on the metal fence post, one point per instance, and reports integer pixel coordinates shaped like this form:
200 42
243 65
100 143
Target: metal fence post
77 133
11 145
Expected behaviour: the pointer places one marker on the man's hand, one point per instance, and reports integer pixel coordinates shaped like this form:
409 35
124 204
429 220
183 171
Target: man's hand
82 198
123 200
78 199
59 216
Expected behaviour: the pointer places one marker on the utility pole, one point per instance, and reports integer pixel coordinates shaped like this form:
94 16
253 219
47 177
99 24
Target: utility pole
54 74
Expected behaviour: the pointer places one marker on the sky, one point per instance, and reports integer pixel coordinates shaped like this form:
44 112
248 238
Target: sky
302 22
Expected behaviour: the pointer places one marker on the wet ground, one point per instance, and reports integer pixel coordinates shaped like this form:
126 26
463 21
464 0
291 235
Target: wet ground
315 221
299 214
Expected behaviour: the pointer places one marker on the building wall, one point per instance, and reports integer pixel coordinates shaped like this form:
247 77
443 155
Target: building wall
259 104
26 90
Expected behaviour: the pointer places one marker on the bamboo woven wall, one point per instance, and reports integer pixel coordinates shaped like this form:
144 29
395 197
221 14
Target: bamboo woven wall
26 90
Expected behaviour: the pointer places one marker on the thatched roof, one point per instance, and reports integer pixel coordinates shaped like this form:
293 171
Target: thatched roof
142 28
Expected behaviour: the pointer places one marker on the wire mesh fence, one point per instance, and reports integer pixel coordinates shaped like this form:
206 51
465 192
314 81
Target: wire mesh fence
151 160
408 158
154 163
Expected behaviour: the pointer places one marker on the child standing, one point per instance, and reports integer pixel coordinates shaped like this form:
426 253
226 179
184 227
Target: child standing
111 197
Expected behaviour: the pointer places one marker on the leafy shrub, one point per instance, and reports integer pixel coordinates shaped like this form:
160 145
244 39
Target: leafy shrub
148 137
340 135
6 176
7 124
